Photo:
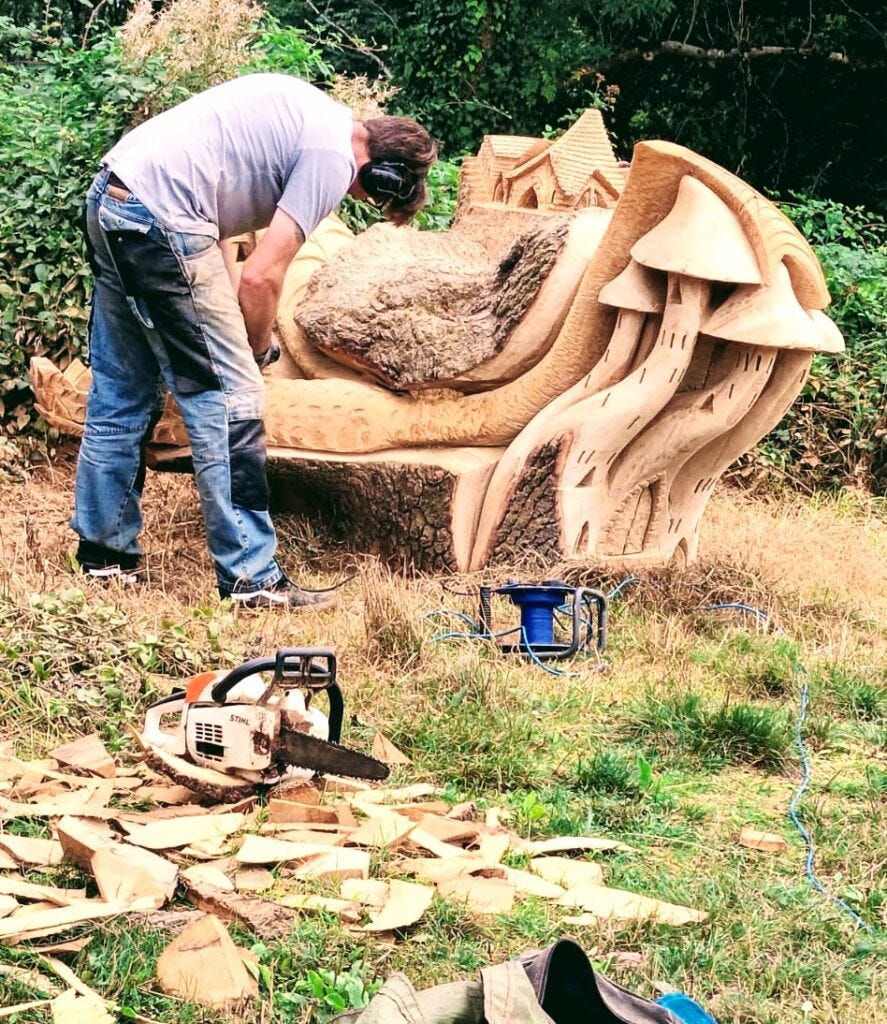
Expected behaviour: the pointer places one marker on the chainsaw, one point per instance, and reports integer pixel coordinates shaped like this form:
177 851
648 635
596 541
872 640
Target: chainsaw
262 732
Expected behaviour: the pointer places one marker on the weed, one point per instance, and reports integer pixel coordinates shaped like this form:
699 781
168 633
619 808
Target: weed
729 733
607 771
393 631
866 701
764 665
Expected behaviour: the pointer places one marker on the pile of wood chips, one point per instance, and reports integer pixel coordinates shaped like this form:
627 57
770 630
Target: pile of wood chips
319 837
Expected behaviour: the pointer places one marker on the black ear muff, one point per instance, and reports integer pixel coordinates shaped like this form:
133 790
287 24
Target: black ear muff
384 181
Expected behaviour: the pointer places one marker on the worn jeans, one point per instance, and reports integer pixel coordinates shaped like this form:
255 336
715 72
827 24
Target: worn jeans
165 315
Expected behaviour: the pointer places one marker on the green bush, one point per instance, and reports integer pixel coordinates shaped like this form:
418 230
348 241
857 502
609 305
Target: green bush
62 107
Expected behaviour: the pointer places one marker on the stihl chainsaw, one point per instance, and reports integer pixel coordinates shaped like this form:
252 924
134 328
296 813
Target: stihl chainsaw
263 732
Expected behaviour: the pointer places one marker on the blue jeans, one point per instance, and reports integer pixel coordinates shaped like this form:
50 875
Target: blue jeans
165 315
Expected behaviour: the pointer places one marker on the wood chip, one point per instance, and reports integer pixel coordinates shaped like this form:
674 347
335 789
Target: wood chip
406 903
185 831
71 1008
167 795
8 904
28 850
384 750
202 965
399 795
465 811
67 946
415 811
481 895
341 784
368 892
208 875
70 803
208 849
253 880
432 869
419 837
336 864
261 916
492 848
48 893
347 910
300 793
620 905
128 874
87 753
26 909
528 884
7 861
80 838
265 850
127 784
61 918
382 831
30 978
567 872
300 814
448 830
19 1008
768 842
310 836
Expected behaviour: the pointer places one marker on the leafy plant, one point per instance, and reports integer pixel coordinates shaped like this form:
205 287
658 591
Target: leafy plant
836 433
333 990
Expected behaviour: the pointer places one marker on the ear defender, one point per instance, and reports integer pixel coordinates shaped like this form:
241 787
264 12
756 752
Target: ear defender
383 181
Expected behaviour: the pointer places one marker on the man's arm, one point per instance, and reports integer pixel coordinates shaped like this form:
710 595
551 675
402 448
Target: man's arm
262 276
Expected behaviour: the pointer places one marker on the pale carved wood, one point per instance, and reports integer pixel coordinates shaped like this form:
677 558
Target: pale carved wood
667 336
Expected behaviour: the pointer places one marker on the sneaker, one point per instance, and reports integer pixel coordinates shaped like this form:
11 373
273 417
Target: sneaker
128 577
101 563
282 594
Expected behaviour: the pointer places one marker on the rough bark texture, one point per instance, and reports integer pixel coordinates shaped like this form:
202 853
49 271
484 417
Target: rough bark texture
402 513
411 309
267 919
530 523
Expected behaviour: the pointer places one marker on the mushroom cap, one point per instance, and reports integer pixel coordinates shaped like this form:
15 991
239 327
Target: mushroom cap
832 339
700 237
637 287
770 315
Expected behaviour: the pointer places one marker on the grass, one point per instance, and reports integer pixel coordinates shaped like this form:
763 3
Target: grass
685 738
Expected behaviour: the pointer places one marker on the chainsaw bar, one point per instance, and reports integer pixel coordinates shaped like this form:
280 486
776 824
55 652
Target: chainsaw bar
304 751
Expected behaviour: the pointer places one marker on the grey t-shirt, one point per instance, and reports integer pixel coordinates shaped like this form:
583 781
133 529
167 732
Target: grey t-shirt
221 162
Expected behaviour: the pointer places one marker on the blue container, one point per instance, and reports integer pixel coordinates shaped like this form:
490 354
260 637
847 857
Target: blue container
537 605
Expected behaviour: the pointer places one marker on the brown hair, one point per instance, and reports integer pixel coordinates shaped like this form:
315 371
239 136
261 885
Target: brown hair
401 140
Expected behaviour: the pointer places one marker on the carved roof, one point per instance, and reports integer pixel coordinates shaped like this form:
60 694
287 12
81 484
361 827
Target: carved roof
575 157
581 159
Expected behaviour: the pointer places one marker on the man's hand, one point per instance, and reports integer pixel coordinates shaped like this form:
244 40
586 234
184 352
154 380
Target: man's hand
262 276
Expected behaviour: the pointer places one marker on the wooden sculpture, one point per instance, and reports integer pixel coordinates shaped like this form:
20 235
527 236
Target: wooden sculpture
567 371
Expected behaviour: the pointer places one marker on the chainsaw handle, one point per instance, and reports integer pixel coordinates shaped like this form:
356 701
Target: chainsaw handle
295 663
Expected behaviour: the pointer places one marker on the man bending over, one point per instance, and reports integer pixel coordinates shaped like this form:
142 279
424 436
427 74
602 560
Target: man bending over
262 151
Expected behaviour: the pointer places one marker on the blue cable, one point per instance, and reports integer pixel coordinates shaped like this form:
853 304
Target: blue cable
475 626
796 799
627 582
477 634
799 670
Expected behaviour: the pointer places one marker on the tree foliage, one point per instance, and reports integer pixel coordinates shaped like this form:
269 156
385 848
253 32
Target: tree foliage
785 93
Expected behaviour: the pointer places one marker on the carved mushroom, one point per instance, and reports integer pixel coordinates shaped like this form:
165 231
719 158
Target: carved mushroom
770 315
636 292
